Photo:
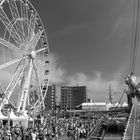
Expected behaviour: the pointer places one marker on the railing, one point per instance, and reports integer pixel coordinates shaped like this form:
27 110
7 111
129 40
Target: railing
132 131
95 131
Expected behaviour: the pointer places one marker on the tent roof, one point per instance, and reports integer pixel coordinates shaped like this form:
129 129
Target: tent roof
95 103
22 117
124 104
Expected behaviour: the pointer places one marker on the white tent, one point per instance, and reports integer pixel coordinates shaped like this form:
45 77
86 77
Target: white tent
13 116
124 104
117 105
94 106
109 105
22 120
23 117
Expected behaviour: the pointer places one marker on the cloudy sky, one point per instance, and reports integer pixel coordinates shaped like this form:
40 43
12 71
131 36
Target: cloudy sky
90 42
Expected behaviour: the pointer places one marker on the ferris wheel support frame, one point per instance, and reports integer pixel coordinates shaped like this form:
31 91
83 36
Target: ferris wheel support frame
23 32
26 87
41 99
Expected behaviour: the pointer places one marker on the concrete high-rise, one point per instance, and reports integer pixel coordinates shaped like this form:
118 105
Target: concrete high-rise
50 99
72 96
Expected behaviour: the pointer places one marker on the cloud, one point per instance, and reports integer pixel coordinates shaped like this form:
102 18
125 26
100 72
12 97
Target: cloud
97 85
123 31
57 73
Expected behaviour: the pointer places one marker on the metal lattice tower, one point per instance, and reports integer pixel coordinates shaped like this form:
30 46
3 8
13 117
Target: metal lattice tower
110 95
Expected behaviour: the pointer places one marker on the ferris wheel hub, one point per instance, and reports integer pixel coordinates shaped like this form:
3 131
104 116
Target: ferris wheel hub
33 54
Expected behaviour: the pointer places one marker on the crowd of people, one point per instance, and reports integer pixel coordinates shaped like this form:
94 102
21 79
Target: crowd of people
49 128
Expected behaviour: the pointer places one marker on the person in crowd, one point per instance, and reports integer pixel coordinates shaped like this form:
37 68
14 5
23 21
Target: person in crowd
50 129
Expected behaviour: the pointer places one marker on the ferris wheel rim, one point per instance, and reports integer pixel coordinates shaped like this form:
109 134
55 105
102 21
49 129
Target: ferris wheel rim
46 40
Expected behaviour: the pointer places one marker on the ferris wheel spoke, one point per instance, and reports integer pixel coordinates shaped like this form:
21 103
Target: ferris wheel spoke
40 50
35 39
24 15
16 16
12 31
35 104
40 63
36 74
9 63
15 79
13 8
37 78
31 26
8 45
6 96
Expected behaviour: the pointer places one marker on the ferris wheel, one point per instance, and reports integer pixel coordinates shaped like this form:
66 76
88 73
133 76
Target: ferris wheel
24 55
